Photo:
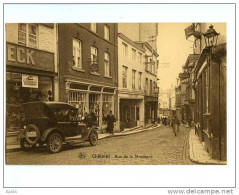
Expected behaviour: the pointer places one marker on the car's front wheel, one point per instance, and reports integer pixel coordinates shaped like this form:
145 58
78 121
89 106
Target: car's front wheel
25 145
93 138
54 143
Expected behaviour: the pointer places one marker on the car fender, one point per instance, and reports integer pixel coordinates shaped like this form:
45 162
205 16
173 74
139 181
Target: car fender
49 131
87 132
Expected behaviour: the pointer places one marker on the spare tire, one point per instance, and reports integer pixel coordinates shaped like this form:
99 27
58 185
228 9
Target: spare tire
32 134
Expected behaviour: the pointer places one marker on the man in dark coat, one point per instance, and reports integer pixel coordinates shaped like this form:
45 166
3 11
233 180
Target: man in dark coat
110 122
175 124
87 120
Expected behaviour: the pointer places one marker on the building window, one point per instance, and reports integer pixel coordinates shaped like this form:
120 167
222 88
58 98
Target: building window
140 80
150 65
133 54
124 77
107 64
207 92
150 87
140 57
77 54
146 63
133 78
125 49
146 86
94 59
27 35
106 32
153 67
93 27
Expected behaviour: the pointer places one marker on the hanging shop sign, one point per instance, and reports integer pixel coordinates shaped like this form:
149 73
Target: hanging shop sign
26 57
30 81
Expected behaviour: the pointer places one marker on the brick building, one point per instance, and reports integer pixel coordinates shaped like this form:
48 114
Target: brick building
88 68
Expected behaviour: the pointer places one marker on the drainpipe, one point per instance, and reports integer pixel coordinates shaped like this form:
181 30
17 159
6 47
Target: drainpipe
220 147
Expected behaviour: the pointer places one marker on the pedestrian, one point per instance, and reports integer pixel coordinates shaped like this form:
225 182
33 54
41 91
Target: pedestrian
93 118
158 119
110 122
175 124
87 120
50 98
166 121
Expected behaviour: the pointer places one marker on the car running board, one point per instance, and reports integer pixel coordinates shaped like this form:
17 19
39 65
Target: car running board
74 138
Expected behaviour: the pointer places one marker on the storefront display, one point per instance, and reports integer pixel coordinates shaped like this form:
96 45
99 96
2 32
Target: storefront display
107 104
94 106
35 88
95 100
78 99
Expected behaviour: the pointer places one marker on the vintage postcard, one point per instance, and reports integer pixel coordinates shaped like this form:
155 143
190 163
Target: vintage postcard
137 86
116 93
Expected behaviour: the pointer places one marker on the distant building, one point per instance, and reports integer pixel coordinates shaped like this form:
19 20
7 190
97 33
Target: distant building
140 32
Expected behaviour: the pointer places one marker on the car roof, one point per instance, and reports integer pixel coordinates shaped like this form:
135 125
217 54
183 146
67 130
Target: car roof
51 103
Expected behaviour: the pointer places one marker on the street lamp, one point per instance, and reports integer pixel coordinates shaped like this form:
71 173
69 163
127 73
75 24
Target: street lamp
211 37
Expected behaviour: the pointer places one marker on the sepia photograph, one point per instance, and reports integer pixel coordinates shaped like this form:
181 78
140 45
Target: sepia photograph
111 93
140 101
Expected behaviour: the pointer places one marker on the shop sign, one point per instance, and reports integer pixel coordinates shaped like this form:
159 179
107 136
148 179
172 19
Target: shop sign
26 57
29 81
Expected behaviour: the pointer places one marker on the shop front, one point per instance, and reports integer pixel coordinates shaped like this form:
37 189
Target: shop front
29 77
131 112
151 104
95 100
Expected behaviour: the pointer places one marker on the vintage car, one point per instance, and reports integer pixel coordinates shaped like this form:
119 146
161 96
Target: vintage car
53 123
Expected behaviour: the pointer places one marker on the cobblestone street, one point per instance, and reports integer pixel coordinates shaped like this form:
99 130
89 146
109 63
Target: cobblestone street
158 146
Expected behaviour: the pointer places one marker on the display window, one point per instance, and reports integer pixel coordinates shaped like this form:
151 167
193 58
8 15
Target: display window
78 100
107 104
22 88
94 106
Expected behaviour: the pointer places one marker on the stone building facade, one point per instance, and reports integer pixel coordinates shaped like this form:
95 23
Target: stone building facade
131 82
210 86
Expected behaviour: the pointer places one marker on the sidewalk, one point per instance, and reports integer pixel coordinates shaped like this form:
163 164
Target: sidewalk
197 152
13 145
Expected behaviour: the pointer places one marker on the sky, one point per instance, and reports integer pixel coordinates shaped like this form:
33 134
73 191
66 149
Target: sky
173 49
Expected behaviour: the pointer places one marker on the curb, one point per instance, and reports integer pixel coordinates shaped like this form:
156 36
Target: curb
204 162
17 149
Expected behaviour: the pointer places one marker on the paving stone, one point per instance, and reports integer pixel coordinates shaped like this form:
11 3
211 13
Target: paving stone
157 146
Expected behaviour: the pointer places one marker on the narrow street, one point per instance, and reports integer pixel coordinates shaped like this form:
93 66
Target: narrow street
158 146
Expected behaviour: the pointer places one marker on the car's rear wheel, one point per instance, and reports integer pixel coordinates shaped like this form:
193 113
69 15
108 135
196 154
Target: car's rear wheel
54 143
25 145
93 138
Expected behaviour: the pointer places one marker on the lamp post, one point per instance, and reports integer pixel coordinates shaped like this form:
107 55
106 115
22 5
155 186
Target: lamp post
211 37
